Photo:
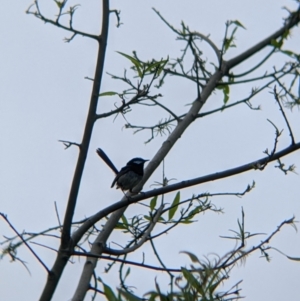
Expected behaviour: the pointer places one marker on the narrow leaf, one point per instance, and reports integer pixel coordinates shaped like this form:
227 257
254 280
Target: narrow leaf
109 93
192 256
226 91
174 206
153 203
127 273
129 296
124 220
192 280
238 23
59 4
135 62
109 294
277 44
288 52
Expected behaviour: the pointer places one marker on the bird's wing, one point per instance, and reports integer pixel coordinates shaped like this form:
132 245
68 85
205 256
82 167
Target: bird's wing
122 172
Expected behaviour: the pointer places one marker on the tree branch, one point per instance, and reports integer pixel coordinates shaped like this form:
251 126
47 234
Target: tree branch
25 242
291 22
255 165
142 239
66 246
56 23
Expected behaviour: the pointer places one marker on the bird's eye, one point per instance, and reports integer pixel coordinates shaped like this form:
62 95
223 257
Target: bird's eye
137 161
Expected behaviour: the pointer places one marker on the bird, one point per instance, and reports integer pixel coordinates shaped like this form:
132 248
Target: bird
130 175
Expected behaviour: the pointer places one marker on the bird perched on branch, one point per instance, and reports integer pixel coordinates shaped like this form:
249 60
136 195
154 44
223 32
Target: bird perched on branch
129 176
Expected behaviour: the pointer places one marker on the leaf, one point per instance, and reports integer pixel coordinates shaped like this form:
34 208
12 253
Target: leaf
127 273
124 220
212 286
226 91
186 221
59 4
109 294
277 44
192 280
129 296
227 44
109 93
192 256
174 205
161 296
161 219
226 94
155 67
121 226
153 203
286 34
288 52
135 62
238 23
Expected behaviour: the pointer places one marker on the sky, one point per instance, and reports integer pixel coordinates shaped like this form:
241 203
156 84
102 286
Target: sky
44 98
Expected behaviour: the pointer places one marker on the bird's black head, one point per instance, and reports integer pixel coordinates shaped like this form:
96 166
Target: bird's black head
136 162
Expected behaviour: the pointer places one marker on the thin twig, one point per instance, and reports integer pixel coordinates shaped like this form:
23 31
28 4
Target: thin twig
25 242
159 259
57 214
284 116
68 144
56 23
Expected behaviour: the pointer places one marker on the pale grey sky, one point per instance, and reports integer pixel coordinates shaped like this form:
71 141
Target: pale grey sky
44 97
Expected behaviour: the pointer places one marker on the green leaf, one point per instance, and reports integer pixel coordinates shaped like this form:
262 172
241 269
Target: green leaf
286 34
174 205
124 220
226 91
226 94
212 286
238 23
135 62
153 203
109 93
129 296
155 67
161 219
120 226
227 44
127 273
192 280
59 4
186 222
277 44
192 256
288 52
109 294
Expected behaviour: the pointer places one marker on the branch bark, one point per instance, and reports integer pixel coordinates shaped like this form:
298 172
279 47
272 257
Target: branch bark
67 246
